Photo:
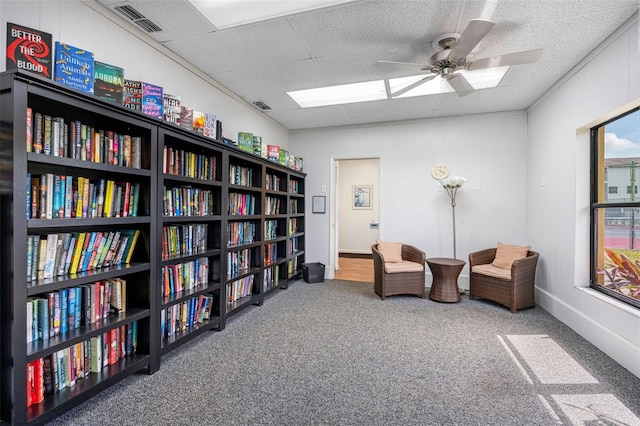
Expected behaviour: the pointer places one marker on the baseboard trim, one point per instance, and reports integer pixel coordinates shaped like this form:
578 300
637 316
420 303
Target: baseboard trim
623 351
357 255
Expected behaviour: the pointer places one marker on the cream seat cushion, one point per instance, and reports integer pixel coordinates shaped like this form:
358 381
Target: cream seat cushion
404 266
392 252
507 254
492 271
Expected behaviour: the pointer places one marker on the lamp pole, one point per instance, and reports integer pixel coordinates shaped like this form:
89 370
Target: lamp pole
451 185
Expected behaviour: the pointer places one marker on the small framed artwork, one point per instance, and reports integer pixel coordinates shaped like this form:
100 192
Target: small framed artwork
319 204
362 196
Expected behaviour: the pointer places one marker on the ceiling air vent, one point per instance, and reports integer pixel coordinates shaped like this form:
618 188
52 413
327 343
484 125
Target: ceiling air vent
138 18
262 105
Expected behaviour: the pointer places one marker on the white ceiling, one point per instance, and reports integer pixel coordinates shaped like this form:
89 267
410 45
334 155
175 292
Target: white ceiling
341 44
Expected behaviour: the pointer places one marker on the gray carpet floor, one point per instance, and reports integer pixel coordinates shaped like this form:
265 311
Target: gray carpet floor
334 353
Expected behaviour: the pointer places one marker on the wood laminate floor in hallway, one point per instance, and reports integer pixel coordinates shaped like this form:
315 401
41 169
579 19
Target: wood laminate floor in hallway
355 268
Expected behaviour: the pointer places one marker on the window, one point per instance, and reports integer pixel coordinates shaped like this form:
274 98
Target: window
615 217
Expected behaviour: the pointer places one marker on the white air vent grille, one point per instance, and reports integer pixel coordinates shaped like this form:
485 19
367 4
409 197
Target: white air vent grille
262 105
148 26
138 18
129 12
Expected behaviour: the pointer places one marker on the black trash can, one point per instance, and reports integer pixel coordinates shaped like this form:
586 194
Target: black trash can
313 272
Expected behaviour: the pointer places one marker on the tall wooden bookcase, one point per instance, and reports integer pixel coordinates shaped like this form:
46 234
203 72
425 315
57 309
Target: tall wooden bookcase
210 243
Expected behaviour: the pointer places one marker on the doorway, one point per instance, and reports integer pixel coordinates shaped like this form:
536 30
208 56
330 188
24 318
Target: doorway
356 217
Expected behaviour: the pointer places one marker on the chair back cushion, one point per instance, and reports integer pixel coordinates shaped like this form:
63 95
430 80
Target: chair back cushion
507 254
392 252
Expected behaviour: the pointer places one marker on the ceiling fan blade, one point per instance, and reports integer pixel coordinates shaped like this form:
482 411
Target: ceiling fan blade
470 37
396 65
460 84
413 85
518 58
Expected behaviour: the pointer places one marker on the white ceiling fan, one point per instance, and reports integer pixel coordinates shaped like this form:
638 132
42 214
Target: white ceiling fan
451 57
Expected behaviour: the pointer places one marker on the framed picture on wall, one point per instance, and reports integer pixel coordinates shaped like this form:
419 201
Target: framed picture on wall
362 197
319 204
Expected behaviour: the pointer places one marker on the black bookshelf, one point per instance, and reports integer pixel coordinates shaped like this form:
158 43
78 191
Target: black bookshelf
202 213
18 93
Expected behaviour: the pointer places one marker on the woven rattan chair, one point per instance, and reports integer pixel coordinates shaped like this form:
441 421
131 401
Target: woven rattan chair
390 282
515 292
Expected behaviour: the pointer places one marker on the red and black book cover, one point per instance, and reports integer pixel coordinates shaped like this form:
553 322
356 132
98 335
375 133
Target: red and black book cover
29 49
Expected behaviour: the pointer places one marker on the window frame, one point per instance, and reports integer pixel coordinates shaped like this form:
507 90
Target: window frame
596 157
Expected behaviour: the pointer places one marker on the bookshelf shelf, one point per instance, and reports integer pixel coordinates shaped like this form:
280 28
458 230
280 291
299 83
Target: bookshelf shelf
180 204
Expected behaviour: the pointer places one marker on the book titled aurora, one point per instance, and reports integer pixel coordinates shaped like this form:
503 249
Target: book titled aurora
108 82
28 49
74 67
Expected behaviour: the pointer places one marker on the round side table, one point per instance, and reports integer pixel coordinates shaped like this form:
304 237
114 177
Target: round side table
445 271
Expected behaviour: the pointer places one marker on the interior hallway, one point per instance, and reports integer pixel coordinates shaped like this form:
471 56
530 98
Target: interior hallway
355 267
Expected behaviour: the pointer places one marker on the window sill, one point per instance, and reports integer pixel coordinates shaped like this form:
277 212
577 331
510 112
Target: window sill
611 301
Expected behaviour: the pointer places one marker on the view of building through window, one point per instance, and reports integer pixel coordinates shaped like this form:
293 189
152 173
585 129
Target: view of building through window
615 213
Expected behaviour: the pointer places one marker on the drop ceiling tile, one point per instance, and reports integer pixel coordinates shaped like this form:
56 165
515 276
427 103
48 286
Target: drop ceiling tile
394 109
372 25
239 48
178 19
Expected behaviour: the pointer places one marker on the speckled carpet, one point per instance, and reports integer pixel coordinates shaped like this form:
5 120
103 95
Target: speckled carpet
334 353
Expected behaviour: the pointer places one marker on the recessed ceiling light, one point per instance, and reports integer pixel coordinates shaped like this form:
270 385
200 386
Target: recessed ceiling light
343 94
479 79
232 13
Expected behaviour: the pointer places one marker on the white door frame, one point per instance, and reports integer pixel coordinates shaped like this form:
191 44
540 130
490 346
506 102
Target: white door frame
334 238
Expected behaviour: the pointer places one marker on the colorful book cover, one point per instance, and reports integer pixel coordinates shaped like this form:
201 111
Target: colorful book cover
273 153
152 100
245 141
74 67
198 122
172 109
108 83
132 95
210 125
29 49
186 117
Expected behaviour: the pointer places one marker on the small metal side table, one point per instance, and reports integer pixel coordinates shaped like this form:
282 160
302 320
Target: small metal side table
445 271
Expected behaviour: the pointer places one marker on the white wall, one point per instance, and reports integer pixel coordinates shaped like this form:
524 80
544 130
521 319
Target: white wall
558 211
355 233
483 148
78 24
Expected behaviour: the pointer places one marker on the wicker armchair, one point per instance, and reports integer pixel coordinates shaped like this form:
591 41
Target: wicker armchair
515 290
399 278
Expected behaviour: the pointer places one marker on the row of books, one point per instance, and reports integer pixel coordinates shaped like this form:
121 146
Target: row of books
240 233
270 229
294 186
185 315
273 183
242 204
184 276
58 312
239 175
253 144
270 253
238 262
271 277
293 206
188 201
238 289
293 246
51 255
271 205
184 240
293 265
51 196
293 225
67 367
54 136
189 164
